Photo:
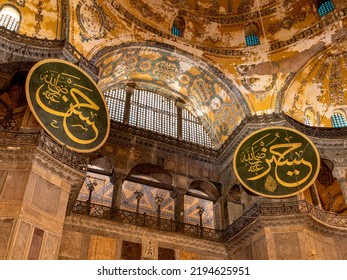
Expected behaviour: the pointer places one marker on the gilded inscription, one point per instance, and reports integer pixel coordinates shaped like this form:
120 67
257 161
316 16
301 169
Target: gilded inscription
276 162
68 104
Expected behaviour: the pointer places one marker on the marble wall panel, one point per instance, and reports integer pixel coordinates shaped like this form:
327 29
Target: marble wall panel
21 241
166 254
102 248
36 244
14 185
3 175
51 247
46 196
5 231
131 250
70 247
184 255
259 248
287 246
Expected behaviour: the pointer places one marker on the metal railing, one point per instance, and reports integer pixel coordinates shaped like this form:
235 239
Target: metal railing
144 220
47 144
248 217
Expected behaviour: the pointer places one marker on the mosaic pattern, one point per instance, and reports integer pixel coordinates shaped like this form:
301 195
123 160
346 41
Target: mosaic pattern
210 12
315 29
18 2
38 17
149 206
245 6
287 22
146 11
93 22
103 189
221 107
320 86
223 20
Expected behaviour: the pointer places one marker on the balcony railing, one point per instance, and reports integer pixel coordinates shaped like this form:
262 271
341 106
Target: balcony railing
248 217
144 220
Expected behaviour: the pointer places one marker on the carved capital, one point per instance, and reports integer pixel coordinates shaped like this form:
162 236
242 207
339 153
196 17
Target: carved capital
129 89
340 174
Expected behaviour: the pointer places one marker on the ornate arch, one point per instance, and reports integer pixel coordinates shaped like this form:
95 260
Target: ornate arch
163 69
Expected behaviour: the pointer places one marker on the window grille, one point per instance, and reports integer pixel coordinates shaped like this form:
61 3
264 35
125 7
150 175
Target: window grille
326 8
193 131
9 18
157 113
115 100
308 121
252 40
176 31
154 112
338 120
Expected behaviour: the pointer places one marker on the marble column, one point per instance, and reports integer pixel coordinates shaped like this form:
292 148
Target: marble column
117 191
180 107
35 190
179 204
340 175
129 90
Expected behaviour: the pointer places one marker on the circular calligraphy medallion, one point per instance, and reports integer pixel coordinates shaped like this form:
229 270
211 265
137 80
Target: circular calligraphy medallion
276 162
68 105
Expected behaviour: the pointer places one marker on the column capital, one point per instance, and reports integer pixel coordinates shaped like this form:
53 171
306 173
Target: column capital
178 191
180 104
339 173
129 88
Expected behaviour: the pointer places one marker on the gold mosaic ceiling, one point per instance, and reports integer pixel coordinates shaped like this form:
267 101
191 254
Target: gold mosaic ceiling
210 67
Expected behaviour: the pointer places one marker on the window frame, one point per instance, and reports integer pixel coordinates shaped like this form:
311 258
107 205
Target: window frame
11 21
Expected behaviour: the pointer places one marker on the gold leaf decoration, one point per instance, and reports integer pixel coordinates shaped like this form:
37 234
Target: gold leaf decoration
270 183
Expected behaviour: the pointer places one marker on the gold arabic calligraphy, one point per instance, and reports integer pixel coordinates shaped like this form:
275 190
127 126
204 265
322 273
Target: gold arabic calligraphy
61 95
290 168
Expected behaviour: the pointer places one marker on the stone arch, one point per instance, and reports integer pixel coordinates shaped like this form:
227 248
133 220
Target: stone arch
234 194
178 25
206 187
329 190
103 163
178 75
152 170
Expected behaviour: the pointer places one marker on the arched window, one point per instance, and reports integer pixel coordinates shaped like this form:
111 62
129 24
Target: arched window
115 99
309 117
338 119
252 35
325 7
98 185
10 17
178 27
308 121
193 130
152 111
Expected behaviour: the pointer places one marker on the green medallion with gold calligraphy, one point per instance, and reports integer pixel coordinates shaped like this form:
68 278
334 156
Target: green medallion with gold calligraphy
276 162
68 105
